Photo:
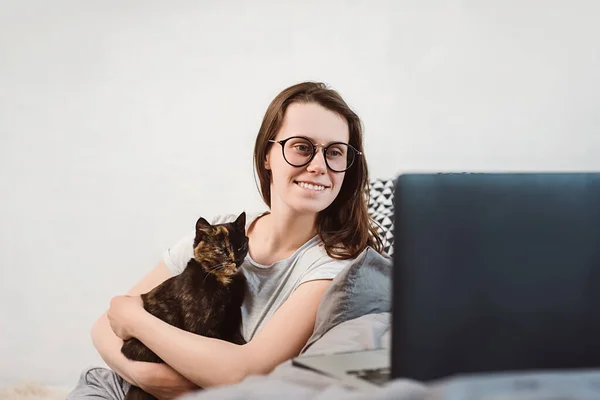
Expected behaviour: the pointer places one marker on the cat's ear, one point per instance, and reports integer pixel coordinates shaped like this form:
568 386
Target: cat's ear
240 222
202 225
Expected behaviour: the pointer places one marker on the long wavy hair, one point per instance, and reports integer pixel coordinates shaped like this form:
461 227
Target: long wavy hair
345 227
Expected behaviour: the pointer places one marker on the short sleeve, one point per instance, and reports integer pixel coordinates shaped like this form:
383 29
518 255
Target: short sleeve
178 255
223 218
326 270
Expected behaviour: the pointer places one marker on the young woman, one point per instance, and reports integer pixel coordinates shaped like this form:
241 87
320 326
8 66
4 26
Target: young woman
313 177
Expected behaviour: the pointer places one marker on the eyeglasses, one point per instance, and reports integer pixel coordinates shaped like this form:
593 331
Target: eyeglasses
298 151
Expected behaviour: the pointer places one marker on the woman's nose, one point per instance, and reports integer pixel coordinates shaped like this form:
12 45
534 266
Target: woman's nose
317 164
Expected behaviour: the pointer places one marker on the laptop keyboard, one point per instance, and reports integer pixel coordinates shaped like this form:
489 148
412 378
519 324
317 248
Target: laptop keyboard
377 376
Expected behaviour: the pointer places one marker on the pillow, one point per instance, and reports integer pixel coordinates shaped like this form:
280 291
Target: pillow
362 287
381 209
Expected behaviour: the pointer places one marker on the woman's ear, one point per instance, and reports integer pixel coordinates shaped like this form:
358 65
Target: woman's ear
267 162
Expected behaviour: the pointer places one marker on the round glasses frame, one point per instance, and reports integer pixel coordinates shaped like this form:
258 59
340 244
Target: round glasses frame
314 152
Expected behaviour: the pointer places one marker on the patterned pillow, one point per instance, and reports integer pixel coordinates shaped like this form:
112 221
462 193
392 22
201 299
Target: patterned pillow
381 208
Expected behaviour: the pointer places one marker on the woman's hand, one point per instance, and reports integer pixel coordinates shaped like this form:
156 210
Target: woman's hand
123 313
161 381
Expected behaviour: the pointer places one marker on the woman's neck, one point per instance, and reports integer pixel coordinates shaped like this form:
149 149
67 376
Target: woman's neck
279 234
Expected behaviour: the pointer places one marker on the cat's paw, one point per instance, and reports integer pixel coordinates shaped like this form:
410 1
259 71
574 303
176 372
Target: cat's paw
135 350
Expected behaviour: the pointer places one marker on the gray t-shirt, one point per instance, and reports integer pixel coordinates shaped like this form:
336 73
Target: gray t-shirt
269 286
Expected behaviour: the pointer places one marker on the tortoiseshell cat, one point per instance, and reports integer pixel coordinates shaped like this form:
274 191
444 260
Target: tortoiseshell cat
206 298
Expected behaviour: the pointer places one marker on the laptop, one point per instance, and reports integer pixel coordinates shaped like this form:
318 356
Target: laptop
492 272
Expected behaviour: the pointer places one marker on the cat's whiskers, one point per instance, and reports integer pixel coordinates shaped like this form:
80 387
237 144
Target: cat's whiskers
218 267
204 281
215 268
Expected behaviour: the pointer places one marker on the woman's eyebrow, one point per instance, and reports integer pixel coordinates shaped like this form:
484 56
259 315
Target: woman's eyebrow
315 142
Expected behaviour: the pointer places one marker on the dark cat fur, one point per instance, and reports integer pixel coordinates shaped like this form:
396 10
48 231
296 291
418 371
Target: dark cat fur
206 298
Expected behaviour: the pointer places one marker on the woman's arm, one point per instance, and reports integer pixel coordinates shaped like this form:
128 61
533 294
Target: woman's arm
211 362
109 345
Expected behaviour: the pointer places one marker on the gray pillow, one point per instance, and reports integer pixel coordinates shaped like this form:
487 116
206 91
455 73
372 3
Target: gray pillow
363 287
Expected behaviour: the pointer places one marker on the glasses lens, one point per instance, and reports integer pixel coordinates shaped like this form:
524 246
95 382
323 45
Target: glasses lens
298 151
340 156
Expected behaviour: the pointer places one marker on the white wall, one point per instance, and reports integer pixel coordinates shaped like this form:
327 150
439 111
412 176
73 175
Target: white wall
121 122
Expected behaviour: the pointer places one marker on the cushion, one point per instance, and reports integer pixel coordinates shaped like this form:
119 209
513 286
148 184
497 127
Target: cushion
381 208
362 287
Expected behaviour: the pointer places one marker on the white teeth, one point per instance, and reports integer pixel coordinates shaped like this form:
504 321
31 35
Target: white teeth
311 186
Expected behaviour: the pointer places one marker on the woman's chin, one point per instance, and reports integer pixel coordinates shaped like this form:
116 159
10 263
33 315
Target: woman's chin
309 207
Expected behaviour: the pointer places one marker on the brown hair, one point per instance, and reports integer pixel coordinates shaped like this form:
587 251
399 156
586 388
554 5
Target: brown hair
345 227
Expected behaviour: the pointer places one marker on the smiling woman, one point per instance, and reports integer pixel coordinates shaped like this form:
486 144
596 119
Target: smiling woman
313 178
295 186
323 119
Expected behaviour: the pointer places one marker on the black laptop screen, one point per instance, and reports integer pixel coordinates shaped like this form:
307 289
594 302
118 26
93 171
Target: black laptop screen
495 272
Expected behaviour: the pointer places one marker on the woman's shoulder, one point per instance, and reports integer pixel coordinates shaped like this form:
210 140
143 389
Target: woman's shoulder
316 254
316 263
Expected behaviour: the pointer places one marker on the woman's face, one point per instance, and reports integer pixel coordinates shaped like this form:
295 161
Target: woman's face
313 187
